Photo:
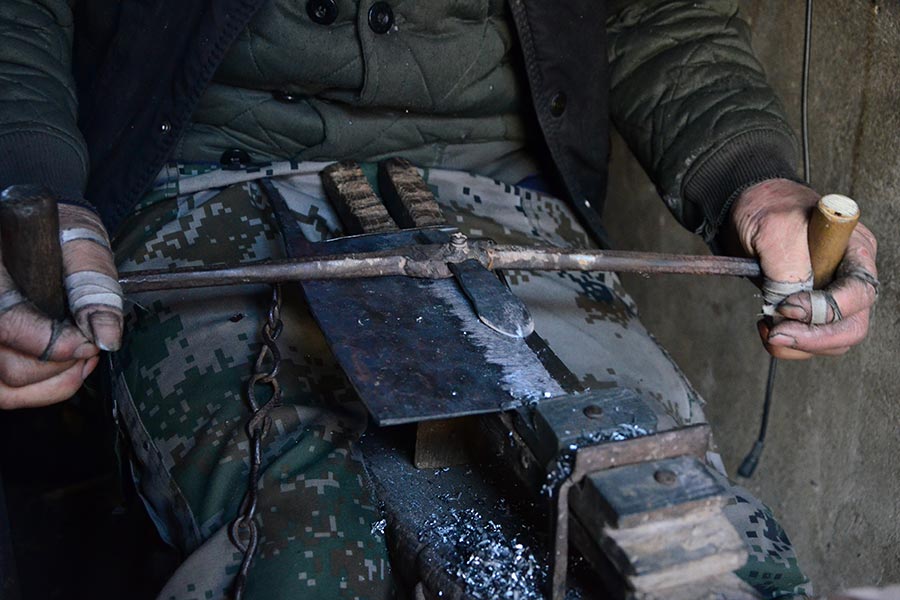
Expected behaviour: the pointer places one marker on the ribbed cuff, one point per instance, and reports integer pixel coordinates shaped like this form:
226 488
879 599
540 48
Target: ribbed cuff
40 158
716 181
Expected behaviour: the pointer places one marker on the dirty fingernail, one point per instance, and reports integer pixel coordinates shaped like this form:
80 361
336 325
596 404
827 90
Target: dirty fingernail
793 311
781 339
106 329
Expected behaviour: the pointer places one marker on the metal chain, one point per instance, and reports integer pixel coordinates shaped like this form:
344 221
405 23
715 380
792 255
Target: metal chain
244 531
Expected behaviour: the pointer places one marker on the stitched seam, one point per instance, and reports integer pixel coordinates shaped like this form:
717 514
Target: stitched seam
181 503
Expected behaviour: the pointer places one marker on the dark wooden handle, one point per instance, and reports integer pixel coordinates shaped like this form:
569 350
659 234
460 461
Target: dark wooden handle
830 227
29 231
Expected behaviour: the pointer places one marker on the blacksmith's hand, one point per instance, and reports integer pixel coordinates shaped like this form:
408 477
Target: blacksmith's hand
43 361
770 221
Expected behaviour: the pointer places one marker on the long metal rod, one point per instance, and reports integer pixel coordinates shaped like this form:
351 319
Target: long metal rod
430 260
278 271
556 259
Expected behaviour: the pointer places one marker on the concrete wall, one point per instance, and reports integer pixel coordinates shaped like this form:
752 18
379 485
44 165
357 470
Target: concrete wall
830 469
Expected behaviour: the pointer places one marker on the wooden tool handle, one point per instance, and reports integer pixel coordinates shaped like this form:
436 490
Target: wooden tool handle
830 227
29 231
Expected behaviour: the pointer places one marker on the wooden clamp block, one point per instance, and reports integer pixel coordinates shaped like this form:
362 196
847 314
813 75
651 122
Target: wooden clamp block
447 442
658 524
651 491
559 423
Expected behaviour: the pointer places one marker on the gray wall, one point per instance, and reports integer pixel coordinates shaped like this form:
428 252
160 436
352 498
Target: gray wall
830 469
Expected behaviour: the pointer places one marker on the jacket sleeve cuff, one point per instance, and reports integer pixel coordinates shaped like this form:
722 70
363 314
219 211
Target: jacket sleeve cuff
42 158
716 180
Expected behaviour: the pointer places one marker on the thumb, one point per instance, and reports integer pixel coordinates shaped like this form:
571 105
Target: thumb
95 297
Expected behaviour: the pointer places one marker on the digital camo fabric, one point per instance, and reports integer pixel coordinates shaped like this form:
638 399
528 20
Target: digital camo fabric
184 366
188 355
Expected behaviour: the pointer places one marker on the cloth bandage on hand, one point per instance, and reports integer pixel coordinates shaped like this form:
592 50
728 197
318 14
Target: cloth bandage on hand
860 274
819 301
776 292
83 233
87 288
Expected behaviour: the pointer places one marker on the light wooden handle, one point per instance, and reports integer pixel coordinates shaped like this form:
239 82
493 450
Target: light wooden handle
830 227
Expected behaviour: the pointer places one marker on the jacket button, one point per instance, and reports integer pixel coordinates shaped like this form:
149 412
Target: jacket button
286 97
323 12
235 158
558 104
381 17
165 127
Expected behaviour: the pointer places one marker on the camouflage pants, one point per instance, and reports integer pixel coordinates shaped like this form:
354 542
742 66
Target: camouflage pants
180 379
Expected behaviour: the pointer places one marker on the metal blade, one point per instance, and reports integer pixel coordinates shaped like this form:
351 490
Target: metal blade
496 306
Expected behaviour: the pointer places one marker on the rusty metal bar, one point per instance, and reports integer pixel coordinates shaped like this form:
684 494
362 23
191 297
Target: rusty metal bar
548 258
430 260
278 271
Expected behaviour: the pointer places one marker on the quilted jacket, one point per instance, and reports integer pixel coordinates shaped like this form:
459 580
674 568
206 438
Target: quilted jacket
95 94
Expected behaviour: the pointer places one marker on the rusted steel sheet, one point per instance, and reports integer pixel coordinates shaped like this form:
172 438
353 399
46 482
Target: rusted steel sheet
414 349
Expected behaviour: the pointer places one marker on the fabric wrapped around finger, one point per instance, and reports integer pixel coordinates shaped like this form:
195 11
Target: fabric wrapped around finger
775 292
83 233
87 288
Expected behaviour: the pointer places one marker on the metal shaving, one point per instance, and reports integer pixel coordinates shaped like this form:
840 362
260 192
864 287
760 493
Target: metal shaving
478 553
448 497
560 471
566 460
623 431
378 528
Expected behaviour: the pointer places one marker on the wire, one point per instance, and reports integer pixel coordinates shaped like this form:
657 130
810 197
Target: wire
804 91
748 465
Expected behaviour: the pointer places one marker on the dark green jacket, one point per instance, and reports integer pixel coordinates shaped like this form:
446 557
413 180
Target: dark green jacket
681 85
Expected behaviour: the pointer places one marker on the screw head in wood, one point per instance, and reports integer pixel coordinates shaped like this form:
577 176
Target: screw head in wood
593 411
665 477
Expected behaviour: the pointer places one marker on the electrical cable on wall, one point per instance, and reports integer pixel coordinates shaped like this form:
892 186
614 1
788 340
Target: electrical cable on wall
750 462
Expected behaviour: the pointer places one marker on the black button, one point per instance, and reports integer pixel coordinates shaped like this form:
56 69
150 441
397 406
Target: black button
323 12
235 158
558 104
381 17
286 97
165 127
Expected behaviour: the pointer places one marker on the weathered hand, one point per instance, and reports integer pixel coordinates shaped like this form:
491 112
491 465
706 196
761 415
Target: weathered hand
43 361
770 220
